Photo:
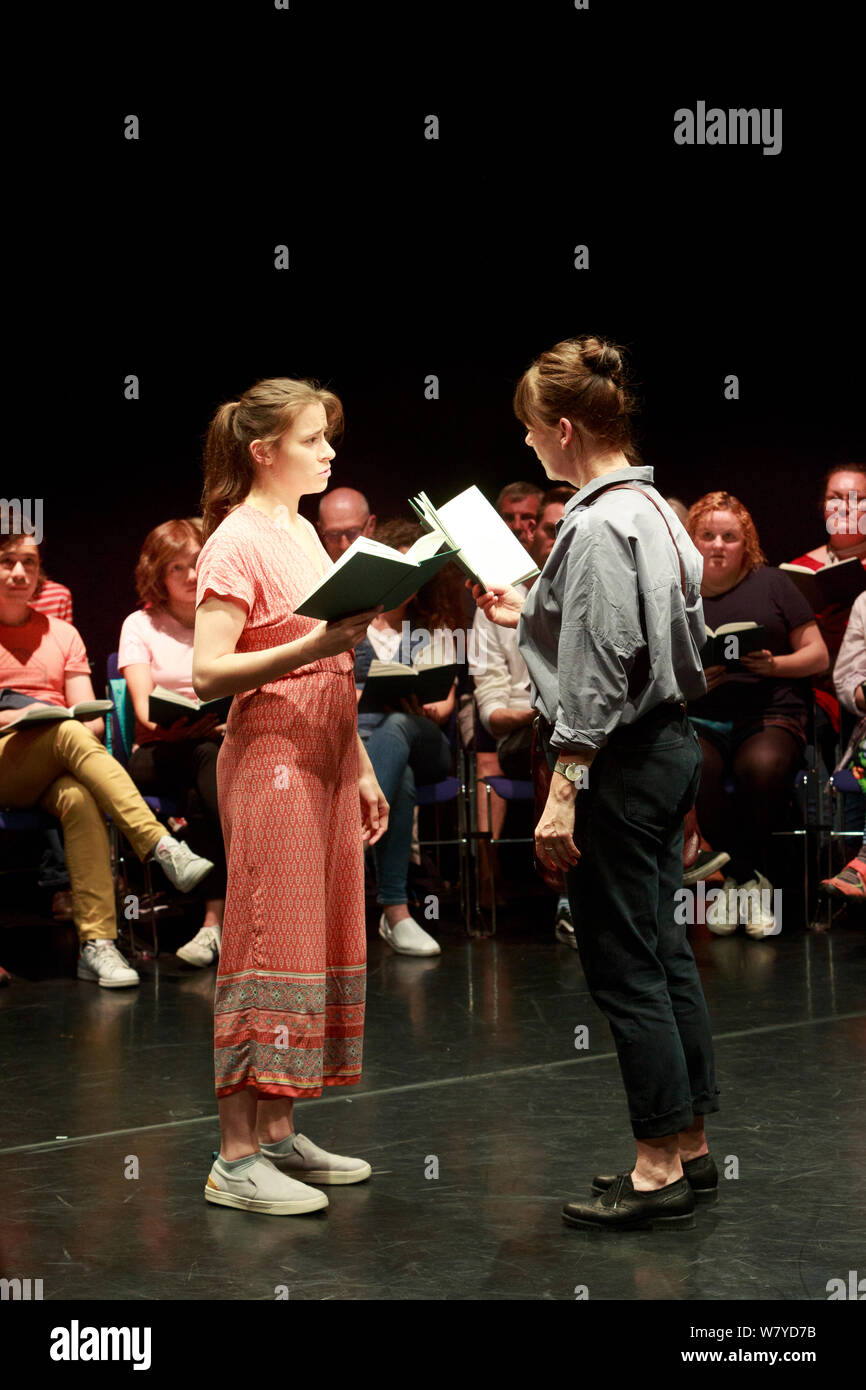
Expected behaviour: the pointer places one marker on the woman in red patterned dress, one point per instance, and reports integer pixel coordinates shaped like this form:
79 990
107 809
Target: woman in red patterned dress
297 795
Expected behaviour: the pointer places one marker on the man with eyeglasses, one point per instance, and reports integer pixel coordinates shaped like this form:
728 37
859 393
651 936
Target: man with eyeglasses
344 515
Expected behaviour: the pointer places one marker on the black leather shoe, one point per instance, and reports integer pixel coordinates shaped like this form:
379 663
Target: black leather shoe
620 1208
702 1175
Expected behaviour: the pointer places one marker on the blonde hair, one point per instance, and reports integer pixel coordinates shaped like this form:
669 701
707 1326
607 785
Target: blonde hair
263 412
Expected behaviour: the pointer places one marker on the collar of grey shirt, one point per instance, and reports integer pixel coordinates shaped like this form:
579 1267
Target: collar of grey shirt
644 474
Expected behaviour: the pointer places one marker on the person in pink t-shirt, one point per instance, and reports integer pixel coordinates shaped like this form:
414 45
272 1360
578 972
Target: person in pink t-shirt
65 769
156 644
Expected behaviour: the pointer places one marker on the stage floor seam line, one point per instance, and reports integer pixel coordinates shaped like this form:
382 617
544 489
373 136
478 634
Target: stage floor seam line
48 1144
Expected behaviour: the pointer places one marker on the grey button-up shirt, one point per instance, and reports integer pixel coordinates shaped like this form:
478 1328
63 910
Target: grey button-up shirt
580 631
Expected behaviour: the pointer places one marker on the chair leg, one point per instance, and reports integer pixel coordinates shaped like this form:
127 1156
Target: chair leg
491 876
148 888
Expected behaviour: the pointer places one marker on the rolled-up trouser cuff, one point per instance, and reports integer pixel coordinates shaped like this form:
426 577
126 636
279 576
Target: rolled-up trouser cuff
658 1126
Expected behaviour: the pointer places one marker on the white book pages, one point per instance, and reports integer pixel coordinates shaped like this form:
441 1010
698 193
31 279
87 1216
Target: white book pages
492 551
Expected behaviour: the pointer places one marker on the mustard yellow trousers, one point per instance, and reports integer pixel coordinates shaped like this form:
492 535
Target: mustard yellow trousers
66 771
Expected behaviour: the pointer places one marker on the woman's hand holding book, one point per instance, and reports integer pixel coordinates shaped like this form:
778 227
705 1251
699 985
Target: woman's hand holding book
329 639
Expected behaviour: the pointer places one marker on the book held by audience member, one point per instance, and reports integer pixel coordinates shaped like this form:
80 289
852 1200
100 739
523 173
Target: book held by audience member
726 644
834 584
52 714
388 682
165 707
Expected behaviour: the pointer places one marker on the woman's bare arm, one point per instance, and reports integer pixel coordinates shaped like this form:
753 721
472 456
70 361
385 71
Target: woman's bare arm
217 669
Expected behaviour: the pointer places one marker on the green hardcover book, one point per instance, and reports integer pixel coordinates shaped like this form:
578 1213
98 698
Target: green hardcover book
370 573
390 681
728 643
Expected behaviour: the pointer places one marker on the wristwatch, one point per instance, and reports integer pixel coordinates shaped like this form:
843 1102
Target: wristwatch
573 771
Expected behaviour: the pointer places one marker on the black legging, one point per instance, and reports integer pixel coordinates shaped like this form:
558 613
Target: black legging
176 770
763 768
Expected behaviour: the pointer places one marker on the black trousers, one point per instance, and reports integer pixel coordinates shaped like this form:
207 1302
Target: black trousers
178 770
638 964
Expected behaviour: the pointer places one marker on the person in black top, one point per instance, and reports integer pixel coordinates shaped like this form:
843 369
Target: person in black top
752 720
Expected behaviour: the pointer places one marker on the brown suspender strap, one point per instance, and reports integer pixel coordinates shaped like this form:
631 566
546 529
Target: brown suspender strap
631 488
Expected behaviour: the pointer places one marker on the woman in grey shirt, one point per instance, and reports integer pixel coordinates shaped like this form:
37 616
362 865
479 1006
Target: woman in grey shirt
611 633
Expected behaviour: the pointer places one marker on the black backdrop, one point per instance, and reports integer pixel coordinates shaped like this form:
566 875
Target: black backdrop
411 257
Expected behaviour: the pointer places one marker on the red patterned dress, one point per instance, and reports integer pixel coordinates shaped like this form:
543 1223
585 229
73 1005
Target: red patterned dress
290 990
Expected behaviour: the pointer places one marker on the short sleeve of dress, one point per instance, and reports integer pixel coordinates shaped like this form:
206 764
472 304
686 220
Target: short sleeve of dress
225 572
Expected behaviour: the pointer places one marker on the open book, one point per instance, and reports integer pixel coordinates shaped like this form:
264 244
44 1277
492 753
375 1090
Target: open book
834 584
52 714
486 549
165 707
388 682
370 573
729 642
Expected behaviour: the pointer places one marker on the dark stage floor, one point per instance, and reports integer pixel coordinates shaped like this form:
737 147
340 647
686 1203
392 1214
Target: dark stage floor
470 1059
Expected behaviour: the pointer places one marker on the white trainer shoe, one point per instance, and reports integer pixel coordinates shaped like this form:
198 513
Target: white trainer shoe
101 961
180 866
408 938
313 1164
755 911
262 1188
204 947
723 914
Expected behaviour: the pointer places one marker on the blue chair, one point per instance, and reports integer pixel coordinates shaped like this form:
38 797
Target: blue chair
510 789
16 821
436 794
119 740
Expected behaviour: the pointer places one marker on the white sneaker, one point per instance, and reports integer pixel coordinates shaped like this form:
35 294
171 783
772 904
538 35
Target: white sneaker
408 938
755 911
723 914
180 866
262 1188
101 961
204 947
313 1164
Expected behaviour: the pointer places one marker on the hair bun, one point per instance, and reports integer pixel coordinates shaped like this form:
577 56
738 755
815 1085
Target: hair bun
603 359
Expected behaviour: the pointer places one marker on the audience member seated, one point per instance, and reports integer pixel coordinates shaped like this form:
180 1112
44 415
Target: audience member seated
156 645
55 600
63 767
344 515
518 505
849 679
408 746
51 598
752 721
502 693
844 501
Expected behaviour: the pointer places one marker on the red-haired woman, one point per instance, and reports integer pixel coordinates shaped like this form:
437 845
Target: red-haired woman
155 648
752 721
65 769
843 498
611 633
297 794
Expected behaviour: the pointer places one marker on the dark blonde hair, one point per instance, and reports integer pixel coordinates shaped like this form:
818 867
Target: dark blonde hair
582 380
264 412
160 548
753 555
